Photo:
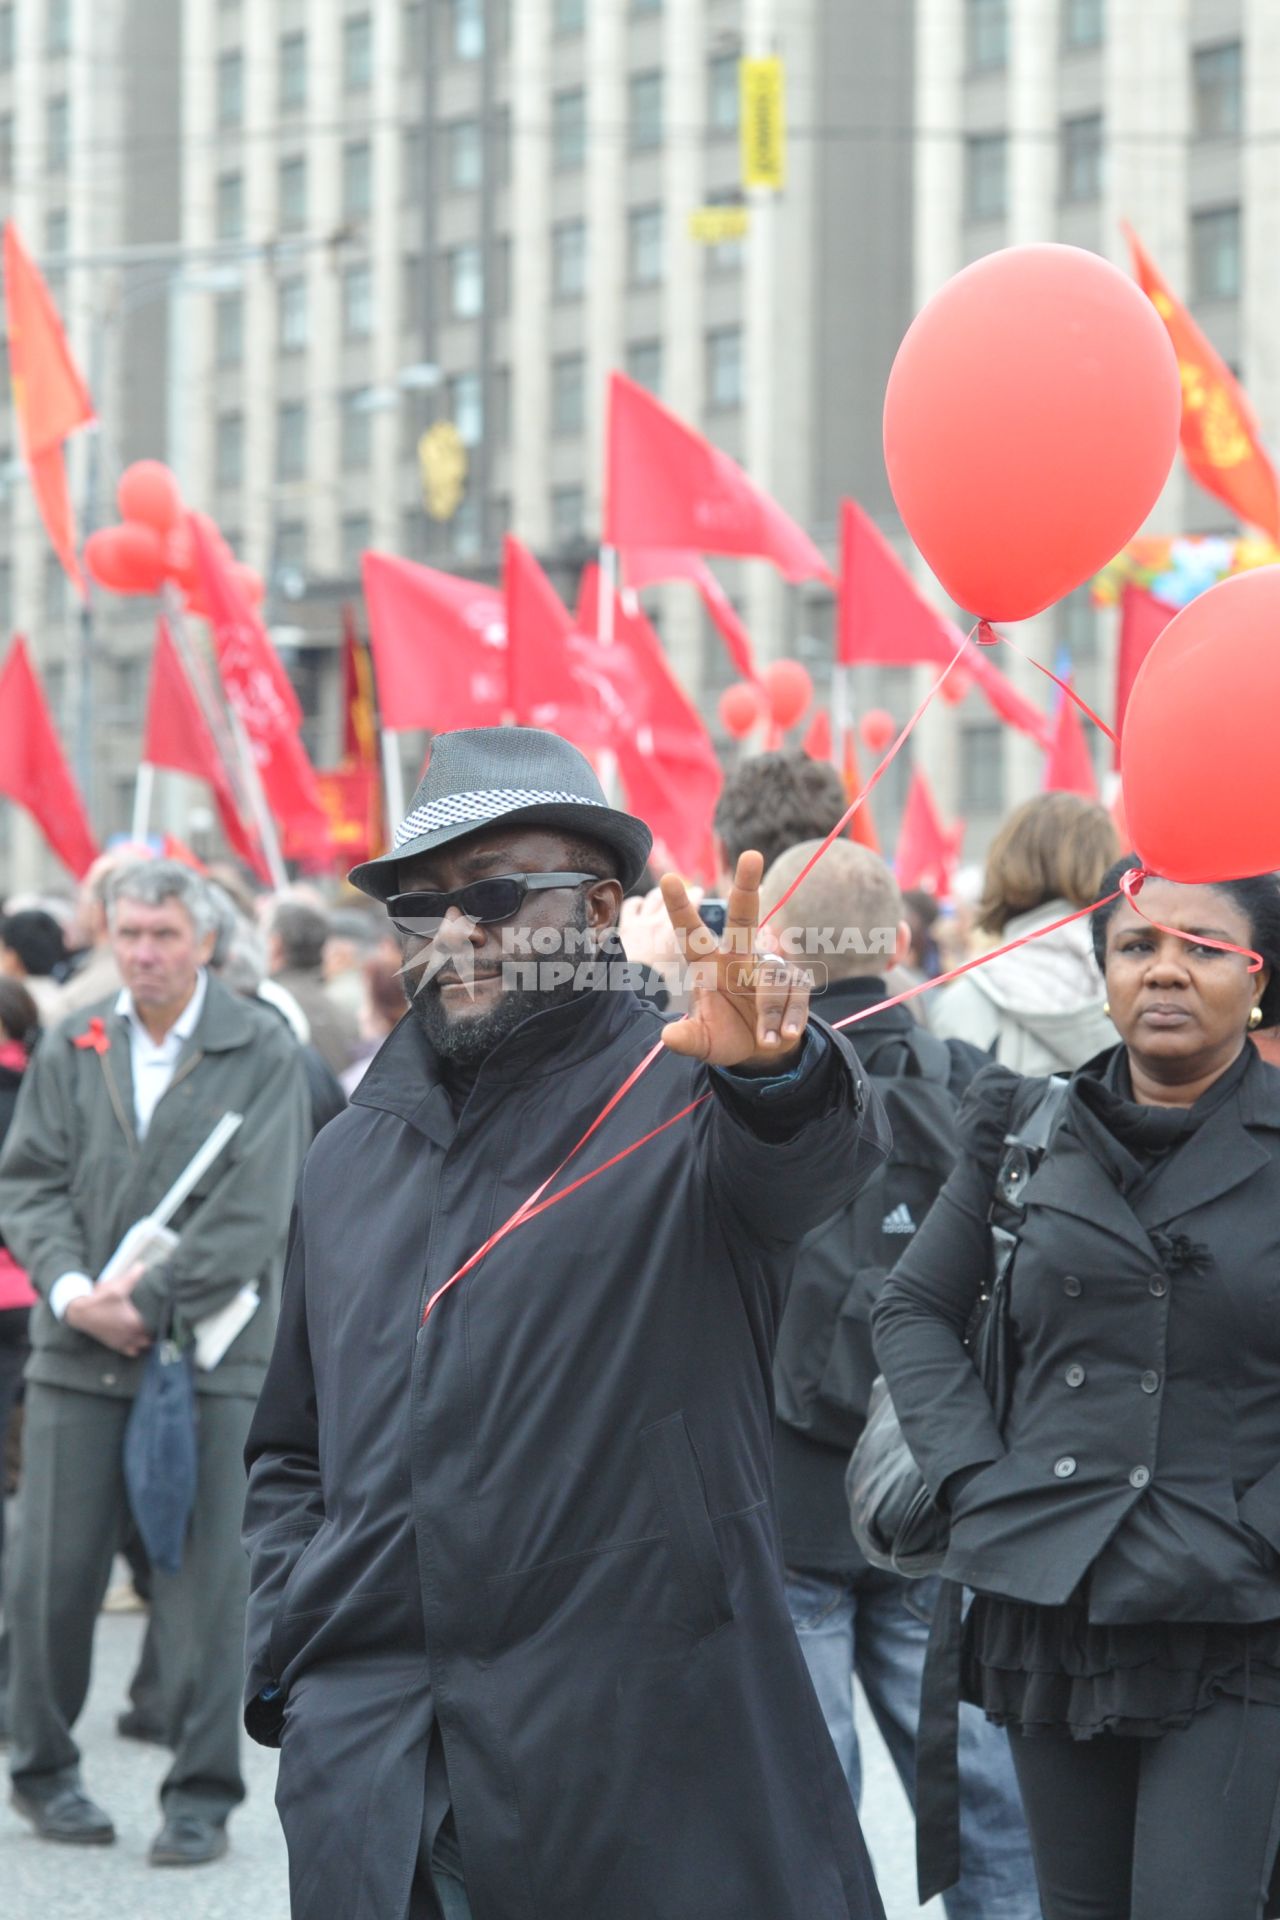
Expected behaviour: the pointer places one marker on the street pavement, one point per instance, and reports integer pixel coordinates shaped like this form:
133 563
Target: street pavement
43 1882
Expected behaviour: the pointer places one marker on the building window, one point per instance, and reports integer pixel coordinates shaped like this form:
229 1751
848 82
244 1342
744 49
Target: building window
357 180
293 195
230 449
1083 22
357 433
230 89
229 329
414 36
57 233
465 155
987 35
466 407
413 160
568 393
569 16
58 38
57 133
293 71
723 93
644 111
356 538
644 246
1081 158
1215 254
500 147
568 514
1217 84
646 6
357 53
982 769
568 129
6 39
291 441
357 303
985 156
569 259
466 28
724 368
291 547
466 282
6 147
466 533
230 207
293 316
500 404
644 364
413 293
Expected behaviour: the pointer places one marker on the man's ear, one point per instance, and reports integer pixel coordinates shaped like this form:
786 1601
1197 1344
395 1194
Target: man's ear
902 945
604 904
204 952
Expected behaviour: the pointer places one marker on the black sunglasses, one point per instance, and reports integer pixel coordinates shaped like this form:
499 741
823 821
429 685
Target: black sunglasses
483 901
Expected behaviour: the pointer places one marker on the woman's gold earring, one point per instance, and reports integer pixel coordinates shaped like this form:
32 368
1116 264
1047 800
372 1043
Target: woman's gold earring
1255 1018
1106 1008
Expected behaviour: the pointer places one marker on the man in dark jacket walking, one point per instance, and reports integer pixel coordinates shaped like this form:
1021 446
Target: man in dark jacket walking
846 918
517 1616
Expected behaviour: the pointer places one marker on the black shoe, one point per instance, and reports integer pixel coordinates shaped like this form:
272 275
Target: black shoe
135 1726
185 1840
68 1815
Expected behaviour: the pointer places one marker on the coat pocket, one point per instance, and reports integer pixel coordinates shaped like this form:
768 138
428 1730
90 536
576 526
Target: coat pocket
691 1538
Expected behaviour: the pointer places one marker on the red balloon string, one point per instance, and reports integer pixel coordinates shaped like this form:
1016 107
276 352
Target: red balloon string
989 636
1131 884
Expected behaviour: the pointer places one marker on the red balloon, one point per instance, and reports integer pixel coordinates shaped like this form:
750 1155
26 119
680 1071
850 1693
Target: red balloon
252 584
788 689
877 729
180 557
741 706
127 559
1030 421
955 688
1198 747
149 493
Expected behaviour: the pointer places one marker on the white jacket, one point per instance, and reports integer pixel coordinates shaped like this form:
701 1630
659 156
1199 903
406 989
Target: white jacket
1038 1010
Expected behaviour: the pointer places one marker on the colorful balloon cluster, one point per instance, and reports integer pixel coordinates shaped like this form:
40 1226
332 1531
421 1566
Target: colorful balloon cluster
153 544
782 695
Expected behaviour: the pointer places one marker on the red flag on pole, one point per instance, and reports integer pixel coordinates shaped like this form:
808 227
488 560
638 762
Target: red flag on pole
33 770
557 679
668 487
178 736
1143 619
50 398
927 851
439 646
1069 767
649 567
1221 439
884 619
817 741
352 792
862 827
264 702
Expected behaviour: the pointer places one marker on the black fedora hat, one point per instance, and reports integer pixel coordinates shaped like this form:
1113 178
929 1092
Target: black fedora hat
523 775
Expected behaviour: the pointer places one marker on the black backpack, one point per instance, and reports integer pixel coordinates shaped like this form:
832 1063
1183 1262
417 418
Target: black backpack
824 1365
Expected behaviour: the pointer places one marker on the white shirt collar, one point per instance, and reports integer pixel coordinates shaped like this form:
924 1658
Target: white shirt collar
185 1024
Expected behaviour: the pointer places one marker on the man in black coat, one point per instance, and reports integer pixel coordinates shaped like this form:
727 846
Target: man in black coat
518 1621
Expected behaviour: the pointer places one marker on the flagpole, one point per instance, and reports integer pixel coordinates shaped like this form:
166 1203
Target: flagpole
392 779
144 787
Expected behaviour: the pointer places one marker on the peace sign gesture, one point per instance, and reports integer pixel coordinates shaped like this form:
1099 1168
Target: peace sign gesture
747 1009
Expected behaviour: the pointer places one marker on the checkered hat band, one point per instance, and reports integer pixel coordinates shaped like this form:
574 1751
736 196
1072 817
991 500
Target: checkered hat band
457 808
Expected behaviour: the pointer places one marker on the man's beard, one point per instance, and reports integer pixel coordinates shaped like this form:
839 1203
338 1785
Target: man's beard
467 1039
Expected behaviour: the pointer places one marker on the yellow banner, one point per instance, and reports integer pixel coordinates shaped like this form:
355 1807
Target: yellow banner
763 121
713 225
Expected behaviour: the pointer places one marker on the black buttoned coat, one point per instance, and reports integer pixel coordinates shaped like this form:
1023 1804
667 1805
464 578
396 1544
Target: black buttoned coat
1143 1436
543 1521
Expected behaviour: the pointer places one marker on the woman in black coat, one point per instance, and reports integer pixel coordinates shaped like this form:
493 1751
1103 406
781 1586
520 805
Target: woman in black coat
1122 1532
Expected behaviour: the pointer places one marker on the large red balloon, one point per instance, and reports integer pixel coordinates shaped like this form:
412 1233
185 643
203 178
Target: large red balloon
149 493
877 729
741 706
1198 748
788 689
1031 419
127 559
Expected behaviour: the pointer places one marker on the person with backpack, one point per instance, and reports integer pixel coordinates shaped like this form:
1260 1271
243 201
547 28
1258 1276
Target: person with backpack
845 921
1120 1522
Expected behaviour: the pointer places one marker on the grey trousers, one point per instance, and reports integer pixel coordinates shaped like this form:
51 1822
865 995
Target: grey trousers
70 1519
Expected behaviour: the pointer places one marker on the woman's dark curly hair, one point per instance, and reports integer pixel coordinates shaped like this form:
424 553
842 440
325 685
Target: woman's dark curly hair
1257 899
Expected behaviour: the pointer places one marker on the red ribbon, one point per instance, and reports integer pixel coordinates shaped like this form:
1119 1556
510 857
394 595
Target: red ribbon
95 1040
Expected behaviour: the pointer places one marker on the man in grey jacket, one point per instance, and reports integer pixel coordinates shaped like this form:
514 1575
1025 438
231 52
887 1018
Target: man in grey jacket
112 1110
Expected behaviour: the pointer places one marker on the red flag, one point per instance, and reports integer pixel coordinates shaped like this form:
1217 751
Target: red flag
884 619
927 851
668 487
862 827
556 679
1069 767
1221 439
174 849
817 740
1143 619
668 765
359 773
650 566
33 770
350 797
178 736
49 396
265 703
439 646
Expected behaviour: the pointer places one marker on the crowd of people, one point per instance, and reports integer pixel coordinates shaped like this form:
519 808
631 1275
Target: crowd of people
551 1598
